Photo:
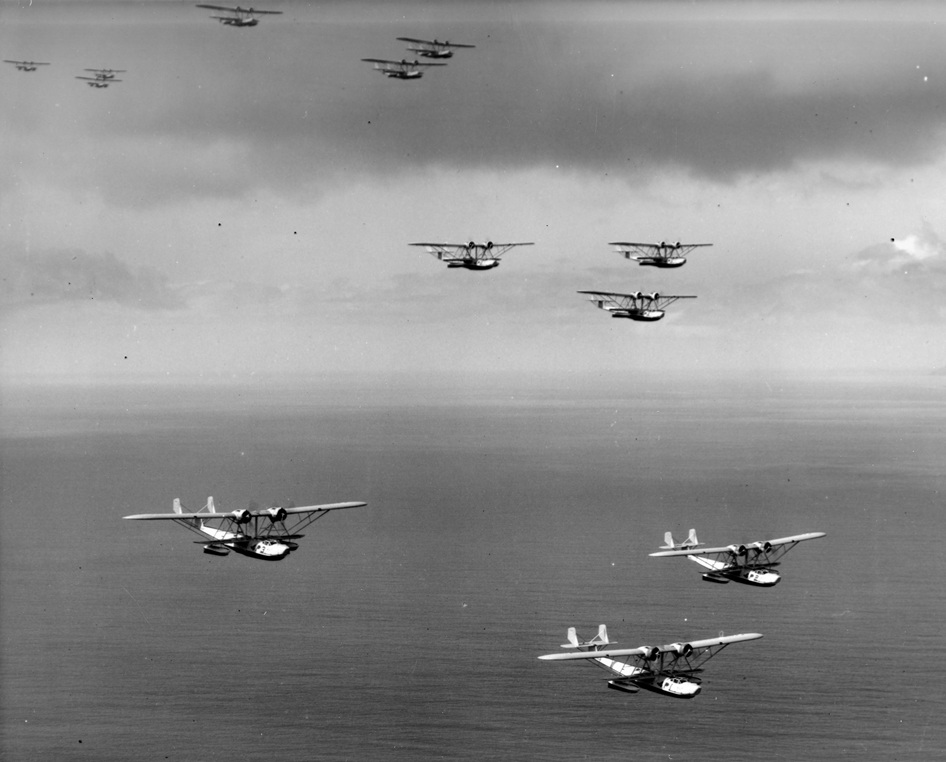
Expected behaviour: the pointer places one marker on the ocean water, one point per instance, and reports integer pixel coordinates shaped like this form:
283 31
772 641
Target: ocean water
497 517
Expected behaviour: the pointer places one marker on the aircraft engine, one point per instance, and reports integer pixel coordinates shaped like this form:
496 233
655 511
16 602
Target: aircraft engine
651 653
471 245
637 294
241 517
676 245
738 550
489 245
765 547
655 296
276 513
683 649
662 244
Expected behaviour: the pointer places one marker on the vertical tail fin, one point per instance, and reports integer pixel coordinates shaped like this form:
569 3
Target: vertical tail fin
210 505
691 540
668 541
572 636
176 505
602 636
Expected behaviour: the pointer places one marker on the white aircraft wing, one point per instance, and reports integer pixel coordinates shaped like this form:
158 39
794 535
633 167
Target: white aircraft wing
178 516
692 551
796 538
318 508
696 645
732 548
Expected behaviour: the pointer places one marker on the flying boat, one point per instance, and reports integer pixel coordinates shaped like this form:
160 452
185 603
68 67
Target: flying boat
263 534
636 306
661 254
400 69
472 255
26 65
672 670
433 48
102 77
749 564
240 17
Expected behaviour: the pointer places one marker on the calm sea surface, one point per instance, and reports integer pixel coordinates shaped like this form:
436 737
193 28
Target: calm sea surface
408 630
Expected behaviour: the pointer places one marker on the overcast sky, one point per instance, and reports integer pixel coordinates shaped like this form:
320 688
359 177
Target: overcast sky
241 204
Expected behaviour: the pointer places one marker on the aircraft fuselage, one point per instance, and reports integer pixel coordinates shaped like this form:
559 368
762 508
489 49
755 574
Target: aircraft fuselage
755 577
475 264
662 261
646 316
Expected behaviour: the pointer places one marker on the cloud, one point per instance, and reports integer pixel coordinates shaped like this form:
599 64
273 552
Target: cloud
292 108
74 276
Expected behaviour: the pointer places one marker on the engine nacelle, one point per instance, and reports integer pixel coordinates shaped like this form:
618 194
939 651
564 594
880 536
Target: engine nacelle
242 517
471 245
489 245
677 245
655 296
738 550
765 547
637 294
662 244
651 653
683 649
277 513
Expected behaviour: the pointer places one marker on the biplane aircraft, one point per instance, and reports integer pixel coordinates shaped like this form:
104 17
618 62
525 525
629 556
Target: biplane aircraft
400 69
26 65
636 306
750 564
256 533
472 255
661 254
433 48
102 77
240 17
670 670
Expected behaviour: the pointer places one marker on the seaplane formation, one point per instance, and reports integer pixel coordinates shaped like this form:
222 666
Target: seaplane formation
661 254
634 306
400 69
239 17
102 77
749 564
670 670
433 48
472 255
262 534
26 65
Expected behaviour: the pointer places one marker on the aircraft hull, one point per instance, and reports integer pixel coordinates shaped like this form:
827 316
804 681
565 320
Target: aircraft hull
474 265
665 263
674 687
644 316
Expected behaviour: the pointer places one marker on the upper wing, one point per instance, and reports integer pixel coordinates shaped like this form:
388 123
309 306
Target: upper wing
178 516
316 508
693 551
220 8
766 546
796 538
696 645
412 39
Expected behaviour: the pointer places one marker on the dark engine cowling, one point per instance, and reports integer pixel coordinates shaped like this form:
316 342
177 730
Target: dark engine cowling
489 245
655 296
242 517
683 649
471 245
738 550
277 513
651 653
